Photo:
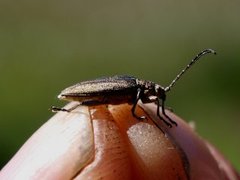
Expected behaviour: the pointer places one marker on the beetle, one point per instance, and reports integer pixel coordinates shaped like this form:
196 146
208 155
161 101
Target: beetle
124 89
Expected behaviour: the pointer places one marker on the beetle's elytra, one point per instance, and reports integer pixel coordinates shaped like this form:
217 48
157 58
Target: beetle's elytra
124 89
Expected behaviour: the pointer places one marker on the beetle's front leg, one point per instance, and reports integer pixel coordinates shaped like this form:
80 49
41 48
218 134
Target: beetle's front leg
164 113
158 113
157 101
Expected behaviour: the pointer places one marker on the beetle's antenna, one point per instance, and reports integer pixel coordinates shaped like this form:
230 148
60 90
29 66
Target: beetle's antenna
204 52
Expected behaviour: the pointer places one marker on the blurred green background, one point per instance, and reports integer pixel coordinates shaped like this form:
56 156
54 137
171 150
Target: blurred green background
48 45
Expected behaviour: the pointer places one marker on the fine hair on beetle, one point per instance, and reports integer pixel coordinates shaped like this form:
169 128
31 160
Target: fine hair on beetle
124 89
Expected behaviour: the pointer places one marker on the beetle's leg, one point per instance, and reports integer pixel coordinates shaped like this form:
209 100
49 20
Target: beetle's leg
56 109
166 107
164 113
135 104
158 113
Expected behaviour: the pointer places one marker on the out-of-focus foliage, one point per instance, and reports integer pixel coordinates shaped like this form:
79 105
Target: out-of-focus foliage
48 45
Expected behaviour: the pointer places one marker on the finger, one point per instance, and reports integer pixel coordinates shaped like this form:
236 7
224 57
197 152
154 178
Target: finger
58 150
225 166
126 148
203 160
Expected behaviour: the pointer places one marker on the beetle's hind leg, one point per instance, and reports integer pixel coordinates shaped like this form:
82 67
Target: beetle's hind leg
57 109
135 104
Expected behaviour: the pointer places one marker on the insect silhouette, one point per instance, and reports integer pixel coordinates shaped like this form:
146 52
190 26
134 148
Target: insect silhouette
124 89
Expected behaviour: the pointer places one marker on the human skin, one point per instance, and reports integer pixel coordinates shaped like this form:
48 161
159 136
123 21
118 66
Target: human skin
107 142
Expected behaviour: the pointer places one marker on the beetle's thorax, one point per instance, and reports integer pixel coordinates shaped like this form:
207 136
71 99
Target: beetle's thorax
150 88
160 92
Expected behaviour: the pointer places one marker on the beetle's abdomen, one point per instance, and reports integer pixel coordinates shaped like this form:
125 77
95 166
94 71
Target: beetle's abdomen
112 90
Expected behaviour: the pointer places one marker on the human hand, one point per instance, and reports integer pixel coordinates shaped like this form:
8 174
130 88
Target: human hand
107 142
